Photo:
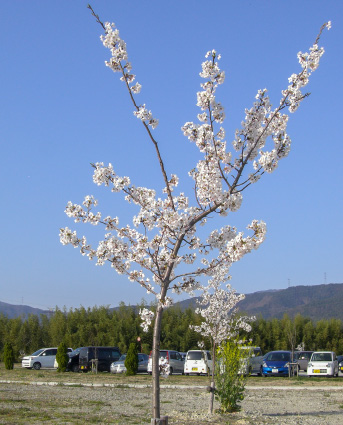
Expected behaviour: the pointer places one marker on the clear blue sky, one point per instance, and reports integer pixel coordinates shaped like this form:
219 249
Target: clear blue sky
62 109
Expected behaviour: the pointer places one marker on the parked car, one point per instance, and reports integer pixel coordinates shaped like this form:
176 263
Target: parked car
101 357
119 366
252 364
302 358
173 358
73 363
340 363
198 362
276 363
323 363
183 355
42 358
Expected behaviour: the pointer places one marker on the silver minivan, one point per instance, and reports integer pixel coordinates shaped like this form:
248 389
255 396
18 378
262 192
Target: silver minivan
174 358
42 358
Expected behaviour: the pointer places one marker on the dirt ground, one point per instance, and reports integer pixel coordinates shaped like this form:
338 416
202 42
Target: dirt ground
56 403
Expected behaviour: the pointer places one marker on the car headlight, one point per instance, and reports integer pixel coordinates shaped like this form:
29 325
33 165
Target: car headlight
309 364
264 364
286 365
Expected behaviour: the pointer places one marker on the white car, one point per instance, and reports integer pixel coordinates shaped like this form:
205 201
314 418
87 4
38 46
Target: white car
198 362
323 363
42 358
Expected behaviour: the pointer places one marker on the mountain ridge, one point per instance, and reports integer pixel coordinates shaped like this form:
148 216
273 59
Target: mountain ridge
313 301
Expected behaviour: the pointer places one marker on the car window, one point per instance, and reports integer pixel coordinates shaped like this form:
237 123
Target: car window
278 357
172 355
209 355
36 353
163 354
51 352
194 355
321 357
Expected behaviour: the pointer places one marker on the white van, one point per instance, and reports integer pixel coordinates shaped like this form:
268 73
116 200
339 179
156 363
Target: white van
198 361
42 358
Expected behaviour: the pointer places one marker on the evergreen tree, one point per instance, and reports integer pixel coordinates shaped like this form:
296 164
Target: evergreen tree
62 357
8 356
131 361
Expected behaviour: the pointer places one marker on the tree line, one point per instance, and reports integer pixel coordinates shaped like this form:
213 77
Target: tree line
120 327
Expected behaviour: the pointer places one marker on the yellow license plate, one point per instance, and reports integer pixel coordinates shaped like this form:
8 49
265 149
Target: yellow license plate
194 368
316 370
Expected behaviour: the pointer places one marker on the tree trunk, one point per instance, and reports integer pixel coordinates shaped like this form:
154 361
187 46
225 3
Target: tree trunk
212 386
155 364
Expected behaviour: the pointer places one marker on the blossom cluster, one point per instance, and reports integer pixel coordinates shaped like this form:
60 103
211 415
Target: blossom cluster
146 317
119 63
219 311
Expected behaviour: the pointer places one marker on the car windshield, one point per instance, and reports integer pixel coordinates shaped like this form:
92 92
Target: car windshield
122 357
321 357
75 352
36 353
195 355
278 357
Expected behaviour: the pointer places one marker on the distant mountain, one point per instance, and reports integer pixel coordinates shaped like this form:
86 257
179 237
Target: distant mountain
316 302
12 311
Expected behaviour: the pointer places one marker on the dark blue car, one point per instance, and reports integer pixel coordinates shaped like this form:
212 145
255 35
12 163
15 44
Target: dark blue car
276 363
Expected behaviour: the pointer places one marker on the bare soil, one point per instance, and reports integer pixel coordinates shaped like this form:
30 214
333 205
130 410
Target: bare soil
48 397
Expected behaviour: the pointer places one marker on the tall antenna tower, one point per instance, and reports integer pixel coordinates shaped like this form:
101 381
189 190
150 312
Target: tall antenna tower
325 278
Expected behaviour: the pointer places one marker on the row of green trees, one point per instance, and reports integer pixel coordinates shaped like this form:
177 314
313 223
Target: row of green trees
102 326
96 326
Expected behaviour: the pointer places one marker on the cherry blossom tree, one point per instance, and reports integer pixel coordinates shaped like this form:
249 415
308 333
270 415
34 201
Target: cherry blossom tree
218 307
162 250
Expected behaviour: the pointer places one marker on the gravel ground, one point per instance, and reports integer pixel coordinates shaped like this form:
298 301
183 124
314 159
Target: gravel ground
23 403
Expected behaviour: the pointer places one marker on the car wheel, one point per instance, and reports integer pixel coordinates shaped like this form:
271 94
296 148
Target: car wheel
187 374
149 373
36 366
75 368
170 371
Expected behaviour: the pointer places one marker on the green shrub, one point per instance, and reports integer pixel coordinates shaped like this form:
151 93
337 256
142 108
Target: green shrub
229 379
131 361
8 356
62 357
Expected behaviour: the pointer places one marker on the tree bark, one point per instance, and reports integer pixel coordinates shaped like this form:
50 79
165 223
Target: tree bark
210 407
155 364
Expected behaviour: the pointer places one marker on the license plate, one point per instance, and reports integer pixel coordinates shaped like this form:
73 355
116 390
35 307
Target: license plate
319 370
275 370
194 368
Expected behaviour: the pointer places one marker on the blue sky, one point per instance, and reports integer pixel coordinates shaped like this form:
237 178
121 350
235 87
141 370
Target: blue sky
62 109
